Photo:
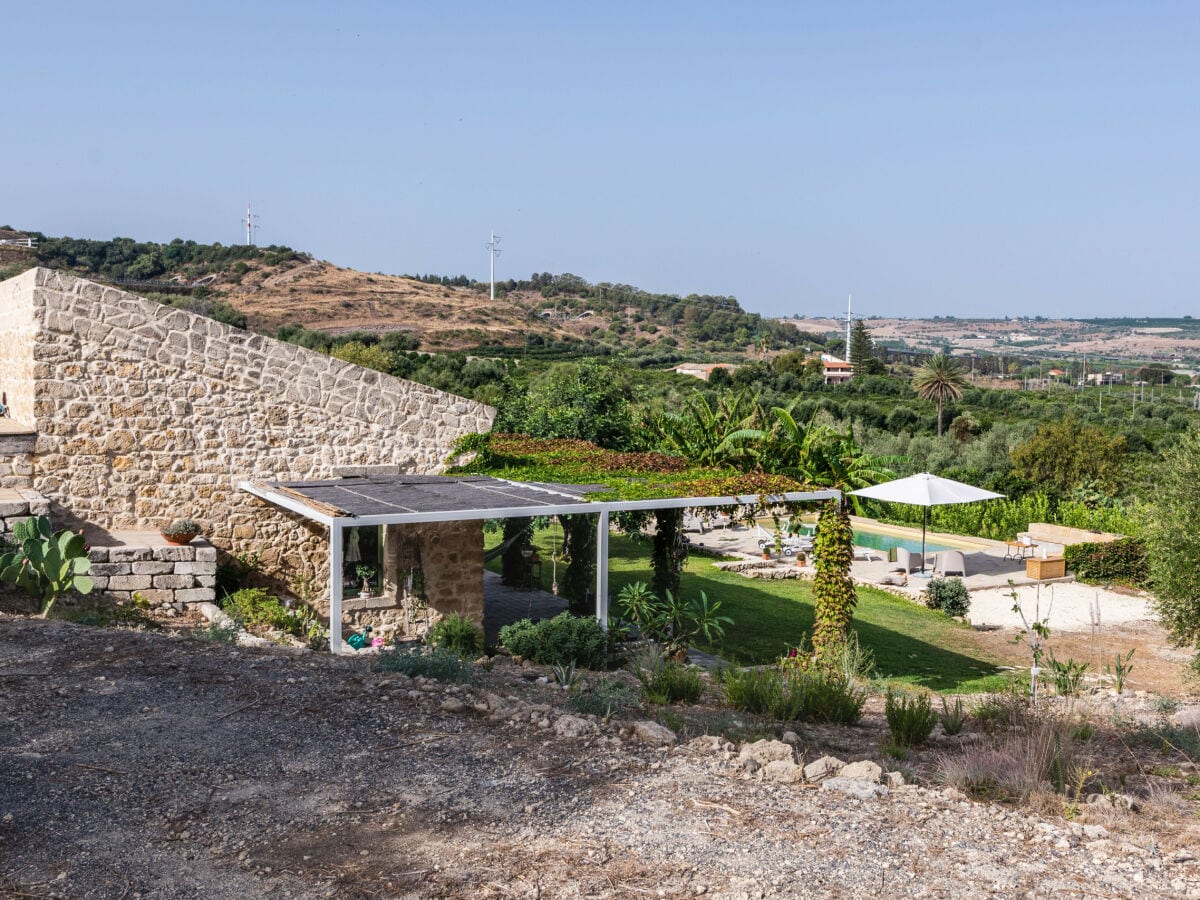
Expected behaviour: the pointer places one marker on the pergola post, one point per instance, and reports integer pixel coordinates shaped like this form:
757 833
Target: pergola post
602 570
335 586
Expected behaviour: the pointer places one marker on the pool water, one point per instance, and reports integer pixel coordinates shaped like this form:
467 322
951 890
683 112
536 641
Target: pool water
878 541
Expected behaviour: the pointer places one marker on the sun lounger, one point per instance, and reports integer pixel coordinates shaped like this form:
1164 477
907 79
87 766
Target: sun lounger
950 561
907 560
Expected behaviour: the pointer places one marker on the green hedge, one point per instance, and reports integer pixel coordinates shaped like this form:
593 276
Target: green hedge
1118 562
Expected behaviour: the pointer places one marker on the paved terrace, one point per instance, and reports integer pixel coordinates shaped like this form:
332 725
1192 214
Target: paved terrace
989 563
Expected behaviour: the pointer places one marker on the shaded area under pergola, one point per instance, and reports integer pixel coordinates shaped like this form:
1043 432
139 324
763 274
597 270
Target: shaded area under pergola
356 502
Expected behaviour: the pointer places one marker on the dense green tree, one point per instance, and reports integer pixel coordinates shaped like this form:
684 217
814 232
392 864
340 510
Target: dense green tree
862 352
940 380
587 400
1174 541
1065 455
373 357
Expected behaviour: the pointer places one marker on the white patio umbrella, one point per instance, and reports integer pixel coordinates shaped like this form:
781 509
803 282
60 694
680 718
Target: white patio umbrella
925 490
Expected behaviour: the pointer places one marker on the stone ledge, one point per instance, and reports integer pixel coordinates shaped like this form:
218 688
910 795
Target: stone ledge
357 603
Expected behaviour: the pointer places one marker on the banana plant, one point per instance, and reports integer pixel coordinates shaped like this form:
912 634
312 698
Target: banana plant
46 563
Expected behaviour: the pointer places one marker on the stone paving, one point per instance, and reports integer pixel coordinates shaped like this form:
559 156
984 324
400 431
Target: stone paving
503 605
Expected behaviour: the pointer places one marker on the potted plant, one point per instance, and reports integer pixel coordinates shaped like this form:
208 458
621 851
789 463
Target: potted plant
180 532
366 573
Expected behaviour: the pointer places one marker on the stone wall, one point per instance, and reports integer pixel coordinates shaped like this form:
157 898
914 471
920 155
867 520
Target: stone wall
18 504
146 413
18 329
164 574
449 556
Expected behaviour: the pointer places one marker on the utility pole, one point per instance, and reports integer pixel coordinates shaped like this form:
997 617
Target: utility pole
493 251
251 227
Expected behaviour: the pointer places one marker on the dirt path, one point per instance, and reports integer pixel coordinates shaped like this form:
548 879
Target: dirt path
156 766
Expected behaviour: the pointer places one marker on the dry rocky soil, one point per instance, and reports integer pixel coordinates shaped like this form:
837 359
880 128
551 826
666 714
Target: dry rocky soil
158 765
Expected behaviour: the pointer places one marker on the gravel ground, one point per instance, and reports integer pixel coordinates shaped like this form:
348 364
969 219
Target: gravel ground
1069 603
149 765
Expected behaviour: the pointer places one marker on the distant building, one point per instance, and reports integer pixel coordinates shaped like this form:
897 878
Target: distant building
1106 378
703 370
837 371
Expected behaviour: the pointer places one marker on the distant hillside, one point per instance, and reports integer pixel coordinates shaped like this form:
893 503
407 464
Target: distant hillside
1145 339
267 288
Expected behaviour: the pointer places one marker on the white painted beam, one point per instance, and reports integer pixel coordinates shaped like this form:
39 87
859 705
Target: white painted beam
602 570
335 586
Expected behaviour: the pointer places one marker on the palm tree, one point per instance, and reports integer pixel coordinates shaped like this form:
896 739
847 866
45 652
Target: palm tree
939 380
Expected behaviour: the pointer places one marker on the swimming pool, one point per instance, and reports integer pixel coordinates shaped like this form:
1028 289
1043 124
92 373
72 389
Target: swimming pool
878 540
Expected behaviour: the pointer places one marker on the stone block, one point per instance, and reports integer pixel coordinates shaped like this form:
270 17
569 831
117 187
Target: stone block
130 583
196 595
11 508
129 554
157 597
99 582
107 569
186 553
174 582
154 567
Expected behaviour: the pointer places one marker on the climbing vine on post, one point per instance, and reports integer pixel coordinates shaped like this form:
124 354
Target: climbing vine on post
834 598
579 545
670 551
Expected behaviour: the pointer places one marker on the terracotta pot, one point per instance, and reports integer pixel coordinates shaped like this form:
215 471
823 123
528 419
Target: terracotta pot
179 539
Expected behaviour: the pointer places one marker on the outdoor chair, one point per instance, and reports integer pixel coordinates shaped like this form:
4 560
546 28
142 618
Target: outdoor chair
907 560
865 553
950 561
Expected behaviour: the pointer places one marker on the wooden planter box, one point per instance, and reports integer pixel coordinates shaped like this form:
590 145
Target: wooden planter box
1051 567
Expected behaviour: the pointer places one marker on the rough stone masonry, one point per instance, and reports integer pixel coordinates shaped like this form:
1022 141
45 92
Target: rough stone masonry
144 413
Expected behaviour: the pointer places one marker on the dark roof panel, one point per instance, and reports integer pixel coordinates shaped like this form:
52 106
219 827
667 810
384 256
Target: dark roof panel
399 494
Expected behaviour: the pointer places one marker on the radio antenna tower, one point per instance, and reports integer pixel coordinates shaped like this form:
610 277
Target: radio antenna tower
250 222
849 300
493 249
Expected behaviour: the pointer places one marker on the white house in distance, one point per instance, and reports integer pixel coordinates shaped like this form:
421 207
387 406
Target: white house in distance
837 371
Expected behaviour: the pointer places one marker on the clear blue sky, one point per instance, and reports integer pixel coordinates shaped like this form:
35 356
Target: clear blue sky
935 158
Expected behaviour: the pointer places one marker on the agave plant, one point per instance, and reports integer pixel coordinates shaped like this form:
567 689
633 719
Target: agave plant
46 563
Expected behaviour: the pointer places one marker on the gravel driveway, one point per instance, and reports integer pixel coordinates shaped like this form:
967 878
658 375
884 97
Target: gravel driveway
148 765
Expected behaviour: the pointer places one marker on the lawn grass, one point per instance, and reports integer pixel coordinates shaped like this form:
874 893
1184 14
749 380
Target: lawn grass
911 644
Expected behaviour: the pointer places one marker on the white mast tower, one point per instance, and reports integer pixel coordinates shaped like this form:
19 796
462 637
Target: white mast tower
250 223
493 249
849 300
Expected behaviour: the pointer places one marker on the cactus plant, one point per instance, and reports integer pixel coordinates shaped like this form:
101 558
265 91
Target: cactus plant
46 563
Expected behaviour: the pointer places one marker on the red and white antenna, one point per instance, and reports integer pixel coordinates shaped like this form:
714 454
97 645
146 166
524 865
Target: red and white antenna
250 222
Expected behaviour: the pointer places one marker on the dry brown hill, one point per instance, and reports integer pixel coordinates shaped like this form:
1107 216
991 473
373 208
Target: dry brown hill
320 295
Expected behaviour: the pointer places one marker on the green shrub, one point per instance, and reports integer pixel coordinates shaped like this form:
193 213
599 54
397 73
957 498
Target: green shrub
217 633
441 665
458 634
558 641
794 696
675 683
255 608
911 719
949 595
753 690
954 718
1119 562
1067 676
607 696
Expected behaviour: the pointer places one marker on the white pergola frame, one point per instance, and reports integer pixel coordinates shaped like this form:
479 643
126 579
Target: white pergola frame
571 505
